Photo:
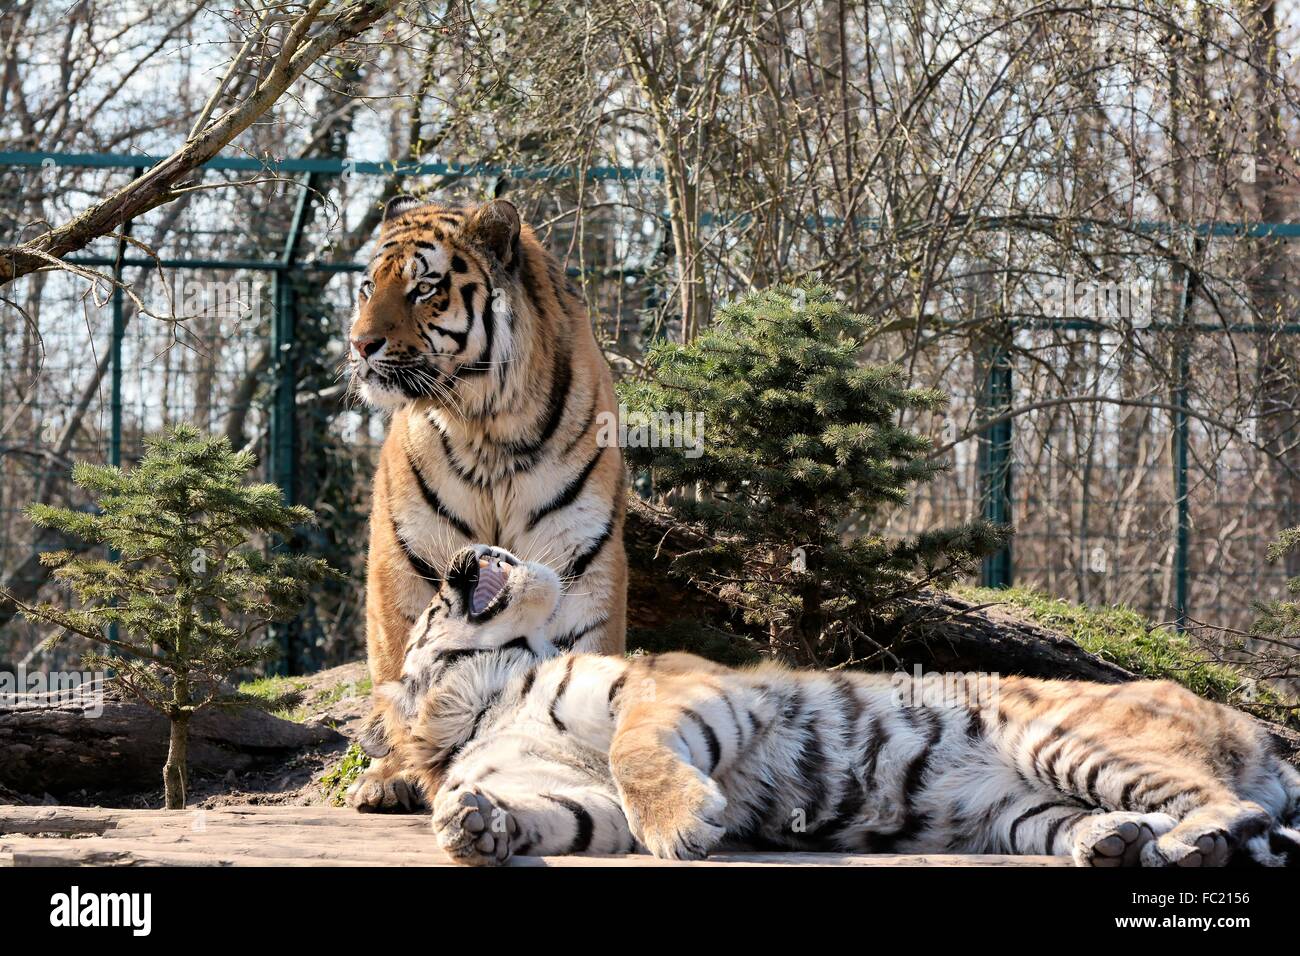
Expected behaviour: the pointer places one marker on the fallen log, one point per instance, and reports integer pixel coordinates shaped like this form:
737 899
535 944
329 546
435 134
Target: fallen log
68 740
943 632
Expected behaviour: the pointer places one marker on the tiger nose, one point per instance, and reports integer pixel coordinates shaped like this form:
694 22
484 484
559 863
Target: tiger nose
367 347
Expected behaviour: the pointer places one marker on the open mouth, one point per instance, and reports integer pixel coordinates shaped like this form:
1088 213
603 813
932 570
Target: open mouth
493 574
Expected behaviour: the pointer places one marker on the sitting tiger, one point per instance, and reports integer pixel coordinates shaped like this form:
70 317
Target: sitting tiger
467 330
531 750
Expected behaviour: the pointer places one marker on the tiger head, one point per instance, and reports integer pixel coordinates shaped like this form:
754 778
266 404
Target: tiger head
489 600
423 327
490 607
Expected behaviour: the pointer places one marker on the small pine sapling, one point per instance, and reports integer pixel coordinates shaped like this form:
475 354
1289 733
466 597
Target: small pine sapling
181 600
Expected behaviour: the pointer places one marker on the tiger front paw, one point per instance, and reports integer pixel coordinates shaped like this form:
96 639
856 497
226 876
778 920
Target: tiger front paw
681 821
472 829
380 790
1209 836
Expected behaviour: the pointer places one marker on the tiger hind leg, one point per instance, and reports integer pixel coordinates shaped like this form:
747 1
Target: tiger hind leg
1209 835
1212 821
1062 826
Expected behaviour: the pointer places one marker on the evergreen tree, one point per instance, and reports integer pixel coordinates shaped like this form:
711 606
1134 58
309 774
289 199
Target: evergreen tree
1280 620
801 452
179 604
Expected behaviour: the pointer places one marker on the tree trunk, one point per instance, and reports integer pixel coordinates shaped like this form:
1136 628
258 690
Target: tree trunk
174 769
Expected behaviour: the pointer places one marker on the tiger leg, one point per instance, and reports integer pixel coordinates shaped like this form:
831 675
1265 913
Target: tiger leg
1211 821
485 824
1209 834
387 784
1039 822
665 753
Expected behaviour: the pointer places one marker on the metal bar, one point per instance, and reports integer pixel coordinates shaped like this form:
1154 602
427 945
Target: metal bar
294 236
1087 325
115 360
1259 230
488 171
276 265
1183 532
284 407
995 461
335 166
283 430
260 265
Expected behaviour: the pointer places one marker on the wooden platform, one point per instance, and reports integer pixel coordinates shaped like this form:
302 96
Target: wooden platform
317 836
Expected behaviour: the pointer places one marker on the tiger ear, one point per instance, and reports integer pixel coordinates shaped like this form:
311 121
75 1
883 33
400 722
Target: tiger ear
495 226
398 205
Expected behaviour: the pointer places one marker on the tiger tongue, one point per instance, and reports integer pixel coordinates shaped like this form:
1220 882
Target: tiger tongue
491 580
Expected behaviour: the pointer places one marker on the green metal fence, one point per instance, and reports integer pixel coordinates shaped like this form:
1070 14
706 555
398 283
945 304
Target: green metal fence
262 379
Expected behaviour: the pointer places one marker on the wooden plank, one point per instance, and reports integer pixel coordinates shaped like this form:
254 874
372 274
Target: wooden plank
325 836
29 851
100 820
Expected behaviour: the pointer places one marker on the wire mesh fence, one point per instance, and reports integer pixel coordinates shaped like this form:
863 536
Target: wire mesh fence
243 334
1092 484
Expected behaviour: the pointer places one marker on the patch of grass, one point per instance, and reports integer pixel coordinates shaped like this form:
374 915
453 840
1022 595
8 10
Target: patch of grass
342 775
287 697
336 693
1124 637
281 696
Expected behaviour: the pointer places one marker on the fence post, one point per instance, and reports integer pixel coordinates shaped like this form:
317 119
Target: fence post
115 361
995 460
284 408
283 428
1183 532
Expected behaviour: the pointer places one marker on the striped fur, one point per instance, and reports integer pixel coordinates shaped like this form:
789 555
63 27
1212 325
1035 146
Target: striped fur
467 330
531 750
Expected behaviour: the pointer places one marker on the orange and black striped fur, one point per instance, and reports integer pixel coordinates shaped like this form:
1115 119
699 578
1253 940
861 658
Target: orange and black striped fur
467 330
532 750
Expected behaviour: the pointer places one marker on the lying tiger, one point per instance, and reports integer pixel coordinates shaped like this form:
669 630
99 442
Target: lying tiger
529 750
